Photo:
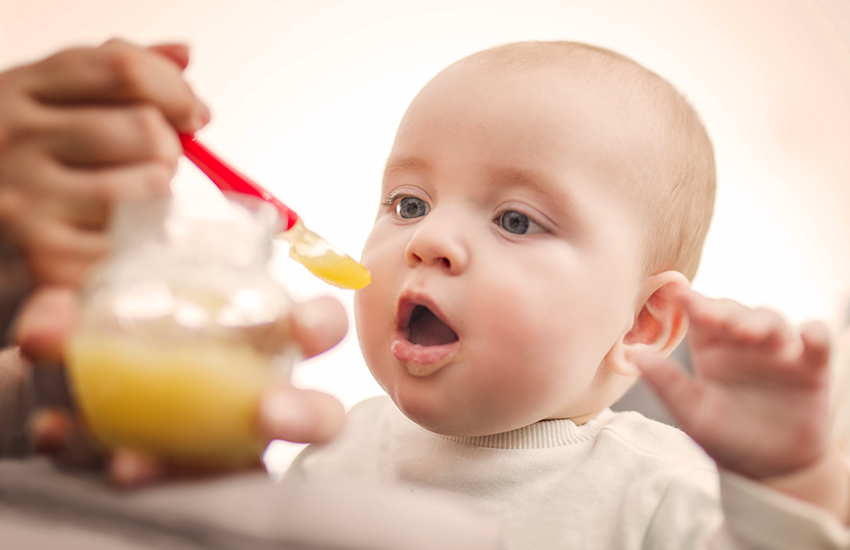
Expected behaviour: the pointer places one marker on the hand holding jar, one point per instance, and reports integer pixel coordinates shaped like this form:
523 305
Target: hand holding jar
182 350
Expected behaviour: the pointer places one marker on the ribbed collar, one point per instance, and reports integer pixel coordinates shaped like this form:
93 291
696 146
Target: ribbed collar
540 435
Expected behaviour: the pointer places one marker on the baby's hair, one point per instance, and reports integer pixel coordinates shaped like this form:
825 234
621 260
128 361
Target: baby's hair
674 184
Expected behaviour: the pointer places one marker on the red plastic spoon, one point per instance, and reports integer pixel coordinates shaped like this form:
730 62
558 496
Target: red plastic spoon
313 252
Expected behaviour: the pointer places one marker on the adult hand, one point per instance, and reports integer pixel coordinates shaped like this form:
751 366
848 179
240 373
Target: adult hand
79 131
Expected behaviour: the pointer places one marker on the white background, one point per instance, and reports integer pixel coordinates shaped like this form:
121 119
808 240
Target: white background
306 96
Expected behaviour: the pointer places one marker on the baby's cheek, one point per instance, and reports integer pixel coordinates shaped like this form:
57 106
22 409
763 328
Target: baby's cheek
519 324
516 342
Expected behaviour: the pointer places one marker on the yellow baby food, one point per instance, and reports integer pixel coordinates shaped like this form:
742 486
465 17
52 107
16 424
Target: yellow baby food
323 260
336 269
193 403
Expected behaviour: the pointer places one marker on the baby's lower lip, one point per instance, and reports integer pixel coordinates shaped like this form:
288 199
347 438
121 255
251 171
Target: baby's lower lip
421 360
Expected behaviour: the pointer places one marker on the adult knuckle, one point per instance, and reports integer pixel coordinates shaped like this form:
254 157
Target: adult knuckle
11 204
6 137
126 65
102 188
151 129
169 148
68 57
115 42
18 122
184 103
8 120
146 120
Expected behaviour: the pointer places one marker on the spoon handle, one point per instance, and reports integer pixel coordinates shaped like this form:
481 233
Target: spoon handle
226 178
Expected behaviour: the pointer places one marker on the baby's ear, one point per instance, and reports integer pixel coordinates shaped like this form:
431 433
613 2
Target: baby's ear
659 326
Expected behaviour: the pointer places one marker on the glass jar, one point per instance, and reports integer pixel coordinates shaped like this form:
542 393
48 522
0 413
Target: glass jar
181 329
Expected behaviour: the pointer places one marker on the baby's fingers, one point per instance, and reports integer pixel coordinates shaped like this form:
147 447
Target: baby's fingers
676 390
707 318
714 321
762 327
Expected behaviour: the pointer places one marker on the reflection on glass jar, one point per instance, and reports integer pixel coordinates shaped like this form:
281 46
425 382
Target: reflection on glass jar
182 328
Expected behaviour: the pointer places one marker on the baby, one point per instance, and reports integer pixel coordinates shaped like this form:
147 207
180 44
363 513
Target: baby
543 210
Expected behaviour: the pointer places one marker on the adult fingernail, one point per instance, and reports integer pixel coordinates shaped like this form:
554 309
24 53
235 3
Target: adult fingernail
205 115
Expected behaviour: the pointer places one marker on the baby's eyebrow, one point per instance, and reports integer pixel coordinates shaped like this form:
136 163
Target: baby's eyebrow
395 165
513 177
541 184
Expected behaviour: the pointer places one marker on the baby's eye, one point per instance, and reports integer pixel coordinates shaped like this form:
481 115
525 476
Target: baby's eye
412 207
518 223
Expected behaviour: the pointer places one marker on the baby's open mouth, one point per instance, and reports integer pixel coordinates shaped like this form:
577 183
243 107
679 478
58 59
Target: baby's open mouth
426 329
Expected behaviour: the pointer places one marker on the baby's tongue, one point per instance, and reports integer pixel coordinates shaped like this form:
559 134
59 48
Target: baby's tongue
427 330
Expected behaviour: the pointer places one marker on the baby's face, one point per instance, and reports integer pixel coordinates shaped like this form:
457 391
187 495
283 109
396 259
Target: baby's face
504 259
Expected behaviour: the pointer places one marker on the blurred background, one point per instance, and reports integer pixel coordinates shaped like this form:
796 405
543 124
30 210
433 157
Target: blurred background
306 95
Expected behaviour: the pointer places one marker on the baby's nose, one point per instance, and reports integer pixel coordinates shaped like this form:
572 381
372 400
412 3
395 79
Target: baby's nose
438 241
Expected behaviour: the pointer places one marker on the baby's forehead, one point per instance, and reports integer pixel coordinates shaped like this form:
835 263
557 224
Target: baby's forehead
625 94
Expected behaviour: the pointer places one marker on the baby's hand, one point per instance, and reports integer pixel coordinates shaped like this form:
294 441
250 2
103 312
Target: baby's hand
759 401
79 131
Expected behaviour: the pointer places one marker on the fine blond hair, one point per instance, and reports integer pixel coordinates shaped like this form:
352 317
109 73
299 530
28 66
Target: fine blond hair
674 178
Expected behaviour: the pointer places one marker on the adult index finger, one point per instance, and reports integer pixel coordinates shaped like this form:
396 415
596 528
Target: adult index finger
119 72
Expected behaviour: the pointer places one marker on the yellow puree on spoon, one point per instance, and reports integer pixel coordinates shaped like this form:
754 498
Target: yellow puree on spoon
324 260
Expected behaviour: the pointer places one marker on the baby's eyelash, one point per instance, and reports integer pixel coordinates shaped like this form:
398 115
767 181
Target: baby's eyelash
394 197
389 201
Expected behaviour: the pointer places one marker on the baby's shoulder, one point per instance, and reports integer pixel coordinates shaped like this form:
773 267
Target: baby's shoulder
652 441
375 405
